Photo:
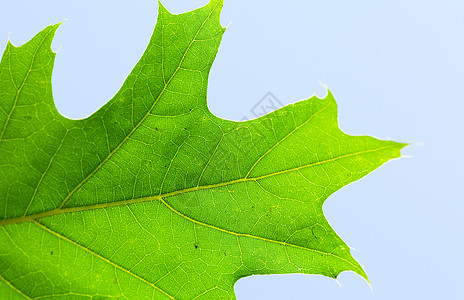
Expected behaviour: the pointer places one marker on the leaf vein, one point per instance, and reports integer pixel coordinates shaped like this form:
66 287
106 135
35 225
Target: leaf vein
285 137
139 123
94 254
20 88
246 235
175 193
14 288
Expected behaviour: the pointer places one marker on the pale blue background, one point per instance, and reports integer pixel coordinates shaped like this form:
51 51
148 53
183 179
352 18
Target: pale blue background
396 69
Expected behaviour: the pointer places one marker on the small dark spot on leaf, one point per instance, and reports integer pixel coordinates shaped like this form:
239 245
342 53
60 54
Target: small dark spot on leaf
196 245
51 253
165 166
156 128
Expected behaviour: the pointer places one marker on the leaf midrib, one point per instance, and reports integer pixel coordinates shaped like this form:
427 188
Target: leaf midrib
59 211
34 218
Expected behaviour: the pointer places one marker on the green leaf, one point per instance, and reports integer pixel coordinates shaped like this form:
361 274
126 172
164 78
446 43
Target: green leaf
155 197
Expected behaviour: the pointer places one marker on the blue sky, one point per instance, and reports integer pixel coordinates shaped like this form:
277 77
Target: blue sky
396 69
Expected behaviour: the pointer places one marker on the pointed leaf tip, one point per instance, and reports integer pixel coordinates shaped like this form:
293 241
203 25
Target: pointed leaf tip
162 9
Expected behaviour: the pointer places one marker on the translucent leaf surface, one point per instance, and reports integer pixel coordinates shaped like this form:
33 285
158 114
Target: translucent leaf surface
153 196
